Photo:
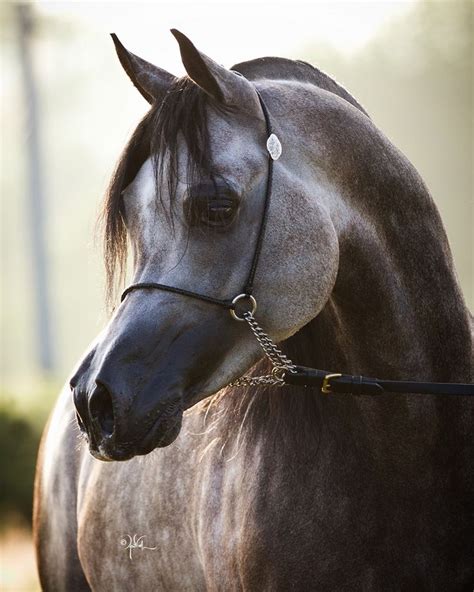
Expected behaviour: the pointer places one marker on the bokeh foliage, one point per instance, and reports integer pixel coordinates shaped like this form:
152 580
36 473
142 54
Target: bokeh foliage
19 440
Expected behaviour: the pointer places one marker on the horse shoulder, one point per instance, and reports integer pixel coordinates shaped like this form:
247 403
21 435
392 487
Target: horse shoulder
54 511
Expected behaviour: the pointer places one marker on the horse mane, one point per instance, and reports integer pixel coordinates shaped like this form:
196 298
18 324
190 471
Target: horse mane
291 413
273 68
182 114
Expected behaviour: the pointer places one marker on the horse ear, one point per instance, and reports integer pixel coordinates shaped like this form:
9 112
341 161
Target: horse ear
222 84
151 81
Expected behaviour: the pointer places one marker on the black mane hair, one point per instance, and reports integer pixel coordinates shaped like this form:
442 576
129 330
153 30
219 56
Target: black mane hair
182 114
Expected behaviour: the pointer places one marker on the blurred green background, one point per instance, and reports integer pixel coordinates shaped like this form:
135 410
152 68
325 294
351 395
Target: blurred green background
409 63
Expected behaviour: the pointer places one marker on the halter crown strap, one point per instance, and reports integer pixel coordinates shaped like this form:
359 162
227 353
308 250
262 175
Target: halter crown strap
268 192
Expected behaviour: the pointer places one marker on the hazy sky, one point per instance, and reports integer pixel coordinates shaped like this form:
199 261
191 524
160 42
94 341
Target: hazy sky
233 31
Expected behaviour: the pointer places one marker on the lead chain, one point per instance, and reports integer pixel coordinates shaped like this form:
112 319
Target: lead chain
281 364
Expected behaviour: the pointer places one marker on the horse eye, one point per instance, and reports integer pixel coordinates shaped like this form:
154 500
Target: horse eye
219 212
213 211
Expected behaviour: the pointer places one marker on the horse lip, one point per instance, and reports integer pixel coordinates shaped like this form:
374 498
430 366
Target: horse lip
150 442
99 456
106 451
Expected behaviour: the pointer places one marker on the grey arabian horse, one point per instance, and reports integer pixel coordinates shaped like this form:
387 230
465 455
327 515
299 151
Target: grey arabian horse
263 488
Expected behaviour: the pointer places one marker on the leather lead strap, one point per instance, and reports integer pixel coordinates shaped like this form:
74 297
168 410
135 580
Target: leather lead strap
363 385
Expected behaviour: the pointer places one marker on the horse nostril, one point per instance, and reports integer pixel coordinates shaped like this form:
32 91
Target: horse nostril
101 409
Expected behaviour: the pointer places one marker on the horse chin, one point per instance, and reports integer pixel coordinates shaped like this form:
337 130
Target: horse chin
161 435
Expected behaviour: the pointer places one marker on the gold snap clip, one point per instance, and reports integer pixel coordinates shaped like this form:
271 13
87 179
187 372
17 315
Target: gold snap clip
326 387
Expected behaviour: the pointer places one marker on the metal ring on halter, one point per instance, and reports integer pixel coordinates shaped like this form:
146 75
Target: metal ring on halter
253 302
278 372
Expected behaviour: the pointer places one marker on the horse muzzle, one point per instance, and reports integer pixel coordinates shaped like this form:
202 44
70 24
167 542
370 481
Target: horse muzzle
115 435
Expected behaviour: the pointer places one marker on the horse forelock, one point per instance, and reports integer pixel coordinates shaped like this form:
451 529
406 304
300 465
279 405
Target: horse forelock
182 115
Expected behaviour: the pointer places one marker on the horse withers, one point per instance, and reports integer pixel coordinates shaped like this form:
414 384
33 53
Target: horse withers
263 487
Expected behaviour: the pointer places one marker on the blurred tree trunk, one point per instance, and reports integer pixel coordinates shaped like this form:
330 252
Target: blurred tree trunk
35 192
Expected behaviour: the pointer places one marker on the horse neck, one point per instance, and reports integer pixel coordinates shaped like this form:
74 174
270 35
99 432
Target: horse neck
378 324
396 310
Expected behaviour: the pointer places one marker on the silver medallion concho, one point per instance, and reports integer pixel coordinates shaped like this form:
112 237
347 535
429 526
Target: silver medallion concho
274 146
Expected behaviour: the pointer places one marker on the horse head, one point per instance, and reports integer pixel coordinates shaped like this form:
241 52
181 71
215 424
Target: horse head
188 196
